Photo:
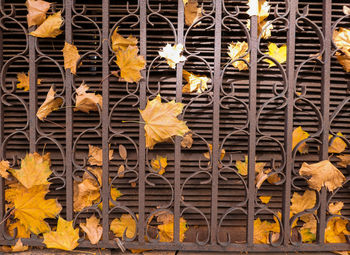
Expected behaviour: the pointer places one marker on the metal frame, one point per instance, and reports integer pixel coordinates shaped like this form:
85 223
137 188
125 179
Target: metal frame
250 207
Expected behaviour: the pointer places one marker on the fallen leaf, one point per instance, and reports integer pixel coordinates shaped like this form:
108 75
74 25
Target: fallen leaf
35 170
308 230
172 54
37 10
161 122
262 230
264 28
49 105
207 154
19 246
242 166
4 166
345 160
31 207
265 199
187 141
50 28
23 81
166 229
159 164
93 229
334 208
195 83
344 60
260 178
260 8
119 42
125 222
336 230
346 10
192 12
323 173
86 102
338 145
71 57
303 202
64 238
123 152
22 232
238 50
279 54
121 171
130 64
299 135
274 178
95 155
341 39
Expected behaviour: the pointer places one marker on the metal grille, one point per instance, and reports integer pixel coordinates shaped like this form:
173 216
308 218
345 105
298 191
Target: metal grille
249 113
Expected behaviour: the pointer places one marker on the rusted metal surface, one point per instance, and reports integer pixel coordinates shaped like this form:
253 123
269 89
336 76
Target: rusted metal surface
252 112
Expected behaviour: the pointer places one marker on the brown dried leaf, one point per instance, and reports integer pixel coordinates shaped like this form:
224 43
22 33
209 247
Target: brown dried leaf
50 28
323 173
93 229
338 145
345 160
36 11
187 141
95 155
121 170
344 60
123 152
23 81
260 178
302 202
119 42
334 208
19 246
4 166
299 135
341 39
71 56
50 104
86 102
192 12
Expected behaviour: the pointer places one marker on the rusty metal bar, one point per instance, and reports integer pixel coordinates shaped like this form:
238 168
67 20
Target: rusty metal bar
69 116
142 143
252 127
325 93
32 92
105 119
216 121
177 156
288 131
2 118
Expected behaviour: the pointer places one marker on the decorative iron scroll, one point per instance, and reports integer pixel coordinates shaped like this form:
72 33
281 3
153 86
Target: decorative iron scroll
251 112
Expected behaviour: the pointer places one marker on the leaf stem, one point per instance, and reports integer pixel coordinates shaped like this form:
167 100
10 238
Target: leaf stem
134 121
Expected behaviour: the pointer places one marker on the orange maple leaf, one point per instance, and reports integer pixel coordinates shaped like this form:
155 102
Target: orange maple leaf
50 28
36 11
71 56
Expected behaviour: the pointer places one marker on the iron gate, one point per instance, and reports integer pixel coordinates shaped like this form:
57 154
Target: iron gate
249 113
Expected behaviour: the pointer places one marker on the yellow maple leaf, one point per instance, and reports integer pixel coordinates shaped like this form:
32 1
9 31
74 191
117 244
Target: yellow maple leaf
19 246
302 202
130 64
23 81
279 54
336 230
307 236
260 8
119 42
299 135
95 155
64 238
236 51
86 102
344 160
242 166
323 173
338 145
334 208
31 207
71 57
4 166
161 122
172 54
274 178
262 230
195 83
49 105
265 199
36 11
264 28
166 229
341 39
50 28
22 232
207 154
187 141
93 229
344 60
125 222
35 170
192 12
159 164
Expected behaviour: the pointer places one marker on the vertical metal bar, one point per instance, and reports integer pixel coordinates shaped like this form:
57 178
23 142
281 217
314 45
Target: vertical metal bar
32 92
143 52
288 129
252 128
69 116
216 121
2 186
105 120
177 156
325 92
